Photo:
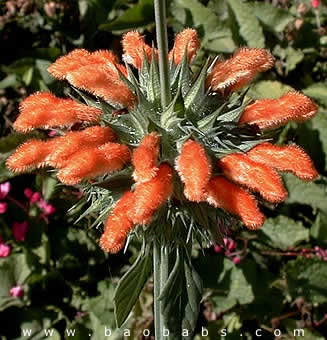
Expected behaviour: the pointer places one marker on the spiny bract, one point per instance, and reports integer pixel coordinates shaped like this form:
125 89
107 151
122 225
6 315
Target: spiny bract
184 168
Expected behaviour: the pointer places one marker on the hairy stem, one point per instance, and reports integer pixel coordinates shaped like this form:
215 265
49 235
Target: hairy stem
162 42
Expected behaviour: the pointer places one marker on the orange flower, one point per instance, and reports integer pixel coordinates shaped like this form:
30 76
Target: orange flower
145 158
230 197
273 113
285 158
135 49
61 148
234 73
30 155
44 110
91 162
194 168
149 196
118 225
185 41
256 176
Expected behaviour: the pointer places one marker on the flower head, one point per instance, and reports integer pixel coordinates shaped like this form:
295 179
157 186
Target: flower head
17 291
4 249
4 189
3 207
121 140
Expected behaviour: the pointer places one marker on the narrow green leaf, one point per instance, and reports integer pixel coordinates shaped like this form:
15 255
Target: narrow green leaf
250 29
131 285
317 91
138 15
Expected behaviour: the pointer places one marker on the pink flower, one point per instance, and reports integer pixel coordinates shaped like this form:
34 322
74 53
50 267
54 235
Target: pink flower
47 208
4 189
19 231
4 250
28 192
3 207
315 3
17 291
36 196
236 260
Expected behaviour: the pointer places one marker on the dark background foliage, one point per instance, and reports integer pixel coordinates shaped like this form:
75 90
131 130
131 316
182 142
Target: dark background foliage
68 282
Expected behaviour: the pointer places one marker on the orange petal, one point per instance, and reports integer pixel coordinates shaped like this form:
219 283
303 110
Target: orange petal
285 158
234 73
145 158
194 168
230 197
44 110
62 148
118 225
135 49
256 176
30 155
149 196
185 41
103 80
93 162
273 113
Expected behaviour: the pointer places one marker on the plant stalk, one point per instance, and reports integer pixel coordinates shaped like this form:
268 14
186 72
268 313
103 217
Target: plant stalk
156 288
162 42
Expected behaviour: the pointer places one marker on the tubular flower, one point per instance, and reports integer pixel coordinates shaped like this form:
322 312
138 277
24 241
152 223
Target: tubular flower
232 74
145 158
256 176
230 197
107 152
135 49
285 158
91 162
43 110
149 196
117 225
188 41
195 175
273 113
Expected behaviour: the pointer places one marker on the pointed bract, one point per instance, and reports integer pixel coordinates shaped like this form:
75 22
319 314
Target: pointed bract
273 113
235 200
234 73
145 158
290 158
45 110
194 168
118 225
258 177
187 42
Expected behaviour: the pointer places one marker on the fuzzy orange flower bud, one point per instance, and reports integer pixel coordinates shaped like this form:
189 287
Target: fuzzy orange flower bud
103 80
256 176
149 196
230 197
234 73
145 158
44 110
194 168
273 113
91 162
285 158
118 225
30 155
135 49
187 42
62 148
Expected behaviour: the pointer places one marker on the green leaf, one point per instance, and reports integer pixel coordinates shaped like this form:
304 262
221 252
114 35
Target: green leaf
131 285
319 123
250 29
268 89
305 193
318 230
275 19
283 232
136 16
307 278
317 91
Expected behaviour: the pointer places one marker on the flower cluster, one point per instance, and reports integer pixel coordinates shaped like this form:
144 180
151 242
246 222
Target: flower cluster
207 148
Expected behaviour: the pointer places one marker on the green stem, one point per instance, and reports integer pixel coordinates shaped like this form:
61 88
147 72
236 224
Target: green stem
156 288
162 42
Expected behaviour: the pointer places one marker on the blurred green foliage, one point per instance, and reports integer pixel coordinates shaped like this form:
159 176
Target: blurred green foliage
68 281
